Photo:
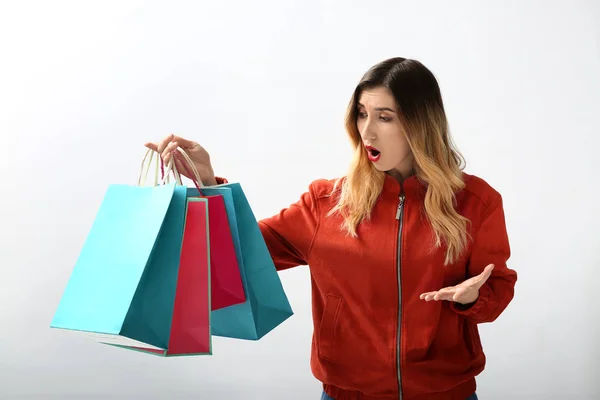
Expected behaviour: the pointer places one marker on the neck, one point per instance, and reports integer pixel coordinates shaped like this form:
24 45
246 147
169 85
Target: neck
401 174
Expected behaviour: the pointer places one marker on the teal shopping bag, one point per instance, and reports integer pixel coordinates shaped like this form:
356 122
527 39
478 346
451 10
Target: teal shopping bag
122 288
266 304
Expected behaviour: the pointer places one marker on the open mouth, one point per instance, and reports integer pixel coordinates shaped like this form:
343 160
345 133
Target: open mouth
373 153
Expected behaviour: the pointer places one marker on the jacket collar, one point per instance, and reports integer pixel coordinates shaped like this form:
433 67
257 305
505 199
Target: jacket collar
412 186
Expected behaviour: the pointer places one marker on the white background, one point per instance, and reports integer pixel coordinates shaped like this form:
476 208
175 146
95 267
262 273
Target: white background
264 86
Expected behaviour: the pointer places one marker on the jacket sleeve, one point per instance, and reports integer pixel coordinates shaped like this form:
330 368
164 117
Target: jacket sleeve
490 246
290 233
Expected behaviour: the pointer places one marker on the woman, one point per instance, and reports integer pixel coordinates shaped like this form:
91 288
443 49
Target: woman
407 253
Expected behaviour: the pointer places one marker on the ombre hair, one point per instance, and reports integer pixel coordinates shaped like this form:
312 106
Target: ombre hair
437 163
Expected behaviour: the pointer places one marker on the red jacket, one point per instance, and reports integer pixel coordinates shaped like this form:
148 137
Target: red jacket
374 338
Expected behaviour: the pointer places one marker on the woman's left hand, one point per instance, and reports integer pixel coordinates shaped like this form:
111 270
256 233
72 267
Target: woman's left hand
463 293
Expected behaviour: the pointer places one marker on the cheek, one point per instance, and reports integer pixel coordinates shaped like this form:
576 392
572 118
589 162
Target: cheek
403 144
359 126
401 141
395 141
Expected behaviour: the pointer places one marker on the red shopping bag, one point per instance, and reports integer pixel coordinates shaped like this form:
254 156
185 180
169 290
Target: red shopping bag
226 281
190 328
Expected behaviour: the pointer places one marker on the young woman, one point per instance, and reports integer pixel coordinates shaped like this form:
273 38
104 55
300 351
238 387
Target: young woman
407 253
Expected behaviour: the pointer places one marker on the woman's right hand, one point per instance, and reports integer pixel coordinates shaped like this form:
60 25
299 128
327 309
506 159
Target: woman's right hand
197 154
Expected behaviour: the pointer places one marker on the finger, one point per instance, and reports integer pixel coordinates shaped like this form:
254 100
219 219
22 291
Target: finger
487 272
433 296
152 146
445 294
183 143
423 295
167 153
162 145
428 296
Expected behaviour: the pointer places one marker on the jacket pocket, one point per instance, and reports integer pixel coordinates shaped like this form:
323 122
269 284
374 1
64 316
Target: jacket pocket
327 330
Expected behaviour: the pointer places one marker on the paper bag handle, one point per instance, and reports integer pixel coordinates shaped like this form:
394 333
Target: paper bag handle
165 178
188 165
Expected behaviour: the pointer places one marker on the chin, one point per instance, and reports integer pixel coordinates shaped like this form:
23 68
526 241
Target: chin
382 166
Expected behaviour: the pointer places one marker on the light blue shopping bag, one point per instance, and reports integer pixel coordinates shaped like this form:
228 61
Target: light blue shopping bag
266 305
122 288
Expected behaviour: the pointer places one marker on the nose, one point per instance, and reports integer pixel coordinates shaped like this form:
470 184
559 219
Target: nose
368 130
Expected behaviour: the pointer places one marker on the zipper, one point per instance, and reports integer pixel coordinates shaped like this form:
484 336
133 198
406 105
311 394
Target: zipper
400 218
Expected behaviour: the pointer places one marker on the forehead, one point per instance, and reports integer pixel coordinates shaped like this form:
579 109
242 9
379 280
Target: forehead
377 97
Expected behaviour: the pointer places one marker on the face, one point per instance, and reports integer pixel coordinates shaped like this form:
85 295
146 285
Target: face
382 134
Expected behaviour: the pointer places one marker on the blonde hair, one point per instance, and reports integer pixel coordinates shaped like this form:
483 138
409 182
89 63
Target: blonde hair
437 163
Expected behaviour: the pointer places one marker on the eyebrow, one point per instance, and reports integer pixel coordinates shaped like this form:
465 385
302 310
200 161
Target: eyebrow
379 108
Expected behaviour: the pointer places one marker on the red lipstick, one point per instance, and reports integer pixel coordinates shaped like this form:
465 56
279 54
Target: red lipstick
373 153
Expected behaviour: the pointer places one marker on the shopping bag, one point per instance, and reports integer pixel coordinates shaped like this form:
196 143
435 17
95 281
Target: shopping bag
190 327
226 281
266 305
122 288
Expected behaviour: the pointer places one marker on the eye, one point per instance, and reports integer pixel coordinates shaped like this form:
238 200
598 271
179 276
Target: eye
362 114
385 119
